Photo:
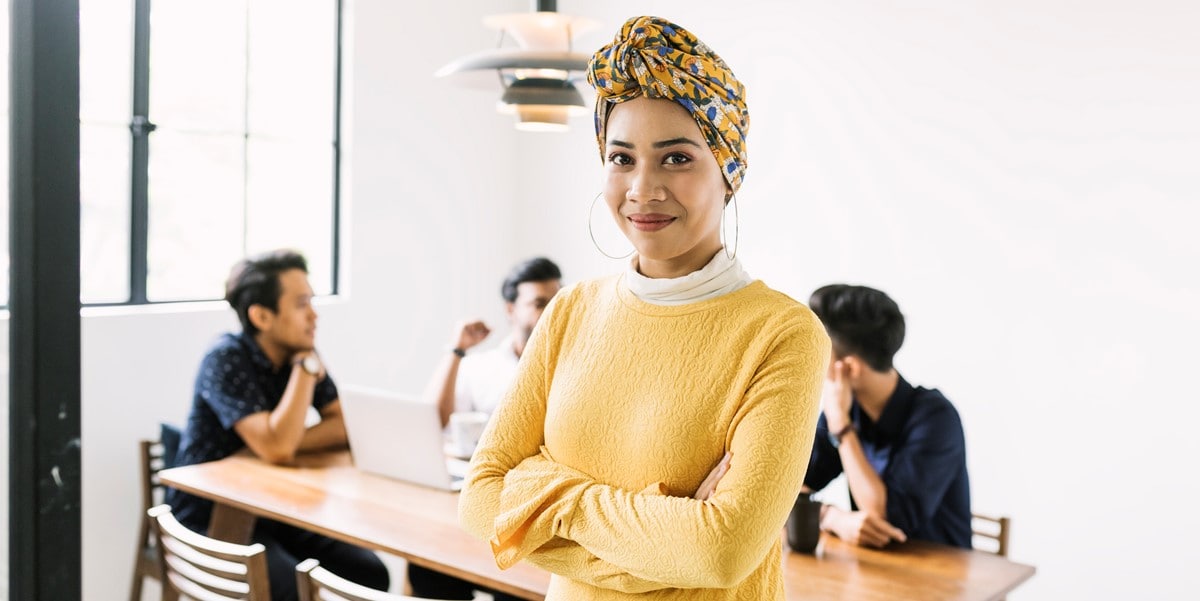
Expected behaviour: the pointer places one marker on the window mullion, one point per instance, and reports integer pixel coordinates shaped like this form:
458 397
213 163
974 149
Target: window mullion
336 262
140 127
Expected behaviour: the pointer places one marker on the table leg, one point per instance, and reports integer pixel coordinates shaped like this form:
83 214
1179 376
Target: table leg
230 524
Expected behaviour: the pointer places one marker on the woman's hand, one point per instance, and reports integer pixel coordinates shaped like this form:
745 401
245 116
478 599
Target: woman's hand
710 483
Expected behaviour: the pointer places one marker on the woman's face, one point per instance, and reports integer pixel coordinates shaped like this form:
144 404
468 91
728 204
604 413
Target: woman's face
663 186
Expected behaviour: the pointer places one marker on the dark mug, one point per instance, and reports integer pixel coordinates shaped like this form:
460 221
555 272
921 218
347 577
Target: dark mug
804 524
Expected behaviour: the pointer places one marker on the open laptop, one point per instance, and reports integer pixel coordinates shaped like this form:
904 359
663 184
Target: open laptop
399 437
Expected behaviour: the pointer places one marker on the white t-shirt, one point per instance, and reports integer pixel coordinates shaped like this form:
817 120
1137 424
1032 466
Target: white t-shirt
485 377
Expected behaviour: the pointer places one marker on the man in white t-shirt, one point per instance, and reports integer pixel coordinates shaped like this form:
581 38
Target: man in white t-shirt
478 381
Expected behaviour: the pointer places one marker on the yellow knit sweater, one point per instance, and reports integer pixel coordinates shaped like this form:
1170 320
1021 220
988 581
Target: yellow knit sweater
620 410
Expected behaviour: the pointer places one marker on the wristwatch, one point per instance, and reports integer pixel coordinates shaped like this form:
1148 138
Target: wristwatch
311 365
835 438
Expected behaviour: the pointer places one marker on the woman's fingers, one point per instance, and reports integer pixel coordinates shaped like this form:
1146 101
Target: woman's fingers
710 482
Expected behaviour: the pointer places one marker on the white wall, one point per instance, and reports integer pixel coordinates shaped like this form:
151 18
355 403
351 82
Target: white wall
1015 174
1022 177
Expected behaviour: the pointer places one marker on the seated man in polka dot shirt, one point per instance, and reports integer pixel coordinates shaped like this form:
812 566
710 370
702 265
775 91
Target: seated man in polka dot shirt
253 391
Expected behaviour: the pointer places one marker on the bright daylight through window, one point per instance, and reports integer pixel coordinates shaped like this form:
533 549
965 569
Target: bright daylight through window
233 148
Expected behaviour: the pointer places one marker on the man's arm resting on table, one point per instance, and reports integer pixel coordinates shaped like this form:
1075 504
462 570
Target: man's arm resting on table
859 527
329 433
275 436
867 488
868 526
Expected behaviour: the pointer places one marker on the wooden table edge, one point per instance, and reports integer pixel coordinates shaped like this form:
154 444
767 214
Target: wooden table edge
229 526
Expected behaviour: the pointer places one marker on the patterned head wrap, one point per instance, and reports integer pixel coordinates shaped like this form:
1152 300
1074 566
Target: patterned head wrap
656 58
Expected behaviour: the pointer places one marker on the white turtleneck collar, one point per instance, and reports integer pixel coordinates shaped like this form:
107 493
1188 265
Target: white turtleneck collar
722 275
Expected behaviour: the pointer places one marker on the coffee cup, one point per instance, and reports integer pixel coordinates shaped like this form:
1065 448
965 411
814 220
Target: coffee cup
804 524
465 429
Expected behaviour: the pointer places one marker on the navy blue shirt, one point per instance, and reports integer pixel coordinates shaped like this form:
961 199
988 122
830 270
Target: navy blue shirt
918 450
236 380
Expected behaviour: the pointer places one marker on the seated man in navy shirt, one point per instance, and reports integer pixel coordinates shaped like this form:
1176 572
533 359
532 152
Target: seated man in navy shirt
901 447
253 391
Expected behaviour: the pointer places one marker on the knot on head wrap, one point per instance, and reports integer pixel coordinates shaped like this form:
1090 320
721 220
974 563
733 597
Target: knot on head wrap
658 59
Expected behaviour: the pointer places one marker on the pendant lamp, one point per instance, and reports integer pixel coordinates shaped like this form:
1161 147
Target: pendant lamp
537 69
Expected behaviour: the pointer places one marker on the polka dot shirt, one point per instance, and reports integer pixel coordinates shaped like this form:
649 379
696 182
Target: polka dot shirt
236 380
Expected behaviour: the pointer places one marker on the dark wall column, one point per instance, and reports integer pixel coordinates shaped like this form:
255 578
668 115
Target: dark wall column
44 451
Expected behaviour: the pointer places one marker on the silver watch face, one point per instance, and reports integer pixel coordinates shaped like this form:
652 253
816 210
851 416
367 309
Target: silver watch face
311 364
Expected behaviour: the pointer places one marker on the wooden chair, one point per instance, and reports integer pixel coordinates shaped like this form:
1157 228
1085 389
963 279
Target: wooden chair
205 569
155 455
991 528
315 583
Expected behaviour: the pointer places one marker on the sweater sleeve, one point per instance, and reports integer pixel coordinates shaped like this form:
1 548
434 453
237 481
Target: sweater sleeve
715 543
570 560
514 434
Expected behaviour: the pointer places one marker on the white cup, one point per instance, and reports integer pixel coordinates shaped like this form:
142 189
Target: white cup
465 429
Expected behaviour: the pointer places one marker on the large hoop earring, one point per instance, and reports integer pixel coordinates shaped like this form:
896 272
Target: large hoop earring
592 209
736 228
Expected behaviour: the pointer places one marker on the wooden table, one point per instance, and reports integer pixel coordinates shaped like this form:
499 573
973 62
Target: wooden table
913 570
324 493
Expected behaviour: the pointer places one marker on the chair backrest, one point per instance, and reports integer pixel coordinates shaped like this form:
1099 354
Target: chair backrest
315 583
205 569
993 529
155 455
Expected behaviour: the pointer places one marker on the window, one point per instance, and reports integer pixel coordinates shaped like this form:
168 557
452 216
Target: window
232 147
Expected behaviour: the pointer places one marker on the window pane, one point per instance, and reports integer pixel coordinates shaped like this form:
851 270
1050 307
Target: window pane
104 213
198 64
105 61
196 214
289 187
291 69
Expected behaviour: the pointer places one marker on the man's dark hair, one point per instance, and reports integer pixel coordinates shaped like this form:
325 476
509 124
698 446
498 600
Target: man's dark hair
537 269
255 281
861 321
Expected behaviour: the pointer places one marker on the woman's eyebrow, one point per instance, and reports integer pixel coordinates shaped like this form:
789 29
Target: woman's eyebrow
660 144
676 141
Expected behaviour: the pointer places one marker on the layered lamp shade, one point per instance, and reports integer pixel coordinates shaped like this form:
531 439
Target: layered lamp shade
540 74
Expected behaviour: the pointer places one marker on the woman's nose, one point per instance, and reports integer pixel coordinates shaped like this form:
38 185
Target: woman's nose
645 186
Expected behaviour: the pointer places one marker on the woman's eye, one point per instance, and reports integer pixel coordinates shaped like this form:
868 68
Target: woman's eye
676 159
619 158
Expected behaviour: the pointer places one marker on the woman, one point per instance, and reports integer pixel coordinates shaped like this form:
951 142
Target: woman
599 464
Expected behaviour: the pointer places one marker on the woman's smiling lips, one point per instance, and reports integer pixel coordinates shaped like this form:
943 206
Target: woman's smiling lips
650 222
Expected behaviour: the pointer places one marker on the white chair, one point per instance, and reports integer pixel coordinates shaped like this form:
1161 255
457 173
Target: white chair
197 567
315 583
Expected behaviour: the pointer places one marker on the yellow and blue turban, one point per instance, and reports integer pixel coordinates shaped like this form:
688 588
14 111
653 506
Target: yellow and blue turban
658 59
